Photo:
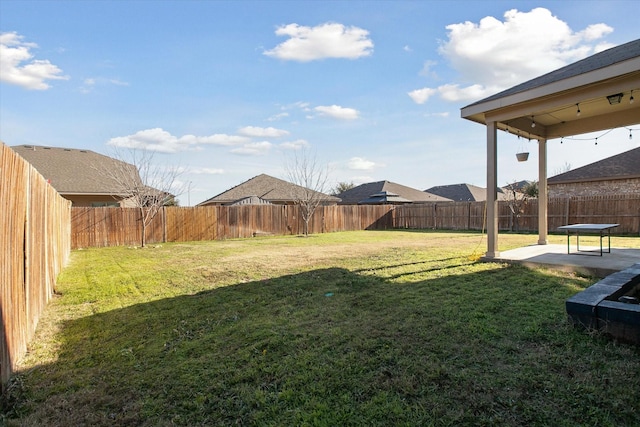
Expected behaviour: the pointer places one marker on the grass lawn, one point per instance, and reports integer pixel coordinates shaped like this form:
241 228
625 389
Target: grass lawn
372 328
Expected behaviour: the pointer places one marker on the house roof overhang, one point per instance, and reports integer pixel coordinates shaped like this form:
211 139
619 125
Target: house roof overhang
553 103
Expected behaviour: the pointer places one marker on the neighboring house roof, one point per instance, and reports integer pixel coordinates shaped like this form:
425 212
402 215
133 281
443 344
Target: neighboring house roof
621 166
461 192
74 171
384 197
266 187
364 191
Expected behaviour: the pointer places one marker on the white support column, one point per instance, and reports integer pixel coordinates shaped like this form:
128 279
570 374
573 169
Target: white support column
543 196
492 185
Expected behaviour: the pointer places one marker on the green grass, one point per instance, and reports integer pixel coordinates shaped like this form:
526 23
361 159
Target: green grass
360 328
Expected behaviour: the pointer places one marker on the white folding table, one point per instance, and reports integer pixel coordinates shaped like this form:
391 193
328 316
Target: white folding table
600 229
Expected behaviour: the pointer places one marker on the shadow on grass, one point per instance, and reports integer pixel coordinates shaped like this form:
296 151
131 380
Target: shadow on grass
331 347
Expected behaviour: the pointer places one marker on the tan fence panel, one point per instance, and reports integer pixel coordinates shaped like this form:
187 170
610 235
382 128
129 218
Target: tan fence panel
35 236
13 217
616 209
191 224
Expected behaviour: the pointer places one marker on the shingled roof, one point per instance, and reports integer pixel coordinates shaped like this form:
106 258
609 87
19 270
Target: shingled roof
365 191
74 171
621 166
597 61
266 187
462 192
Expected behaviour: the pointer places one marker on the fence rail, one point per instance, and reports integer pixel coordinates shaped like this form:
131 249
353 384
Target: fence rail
96 227
35 237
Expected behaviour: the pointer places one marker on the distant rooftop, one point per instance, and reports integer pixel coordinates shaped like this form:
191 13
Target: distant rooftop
265 187
74 171
365 191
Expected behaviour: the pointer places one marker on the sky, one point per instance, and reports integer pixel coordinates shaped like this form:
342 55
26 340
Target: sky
226 90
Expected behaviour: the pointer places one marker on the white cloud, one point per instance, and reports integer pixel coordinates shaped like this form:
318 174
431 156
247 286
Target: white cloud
427 69
359 163
253 149
160 140
454 93
294 145
259 132
156 139
337 112
493 55
18 67
329 40
420 96
278 116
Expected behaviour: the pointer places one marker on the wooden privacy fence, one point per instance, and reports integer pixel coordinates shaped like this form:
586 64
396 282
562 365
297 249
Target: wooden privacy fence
621 209
35 237
110 226
97 227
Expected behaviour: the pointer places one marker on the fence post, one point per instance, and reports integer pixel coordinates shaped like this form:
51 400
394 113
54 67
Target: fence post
164 224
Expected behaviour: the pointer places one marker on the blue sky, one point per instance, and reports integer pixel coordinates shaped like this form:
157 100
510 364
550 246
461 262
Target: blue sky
227 90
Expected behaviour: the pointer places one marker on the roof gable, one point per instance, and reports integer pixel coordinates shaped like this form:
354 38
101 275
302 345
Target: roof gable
365 191
621 166
267 188
76 171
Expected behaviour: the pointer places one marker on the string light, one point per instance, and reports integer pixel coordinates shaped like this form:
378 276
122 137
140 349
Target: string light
578 112
533 122
631 99
595 139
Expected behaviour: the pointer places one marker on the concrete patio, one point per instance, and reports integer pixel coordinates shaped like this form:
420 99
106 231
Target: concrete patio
556 257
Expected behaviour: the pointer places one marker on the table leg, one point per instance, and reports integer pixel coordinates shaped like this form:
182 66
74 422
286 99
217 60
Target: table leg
601 243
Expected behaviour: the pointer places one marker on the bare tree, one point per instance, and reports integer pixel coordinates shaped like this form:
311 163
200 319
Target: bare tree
311 178
341 187
516 200
141 184
562 169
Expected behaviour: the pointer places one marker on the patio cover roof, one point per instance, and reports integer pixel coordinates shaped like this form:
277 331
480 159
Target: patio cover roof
569 101
553 100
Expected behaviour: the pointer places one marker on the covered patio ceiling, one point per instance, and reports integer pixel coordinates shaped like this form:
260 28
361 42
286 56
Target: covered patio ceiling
569 101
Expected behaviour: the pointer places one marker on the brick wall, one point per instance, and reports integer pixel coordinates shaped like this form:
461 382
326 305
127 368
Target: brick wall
595 188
